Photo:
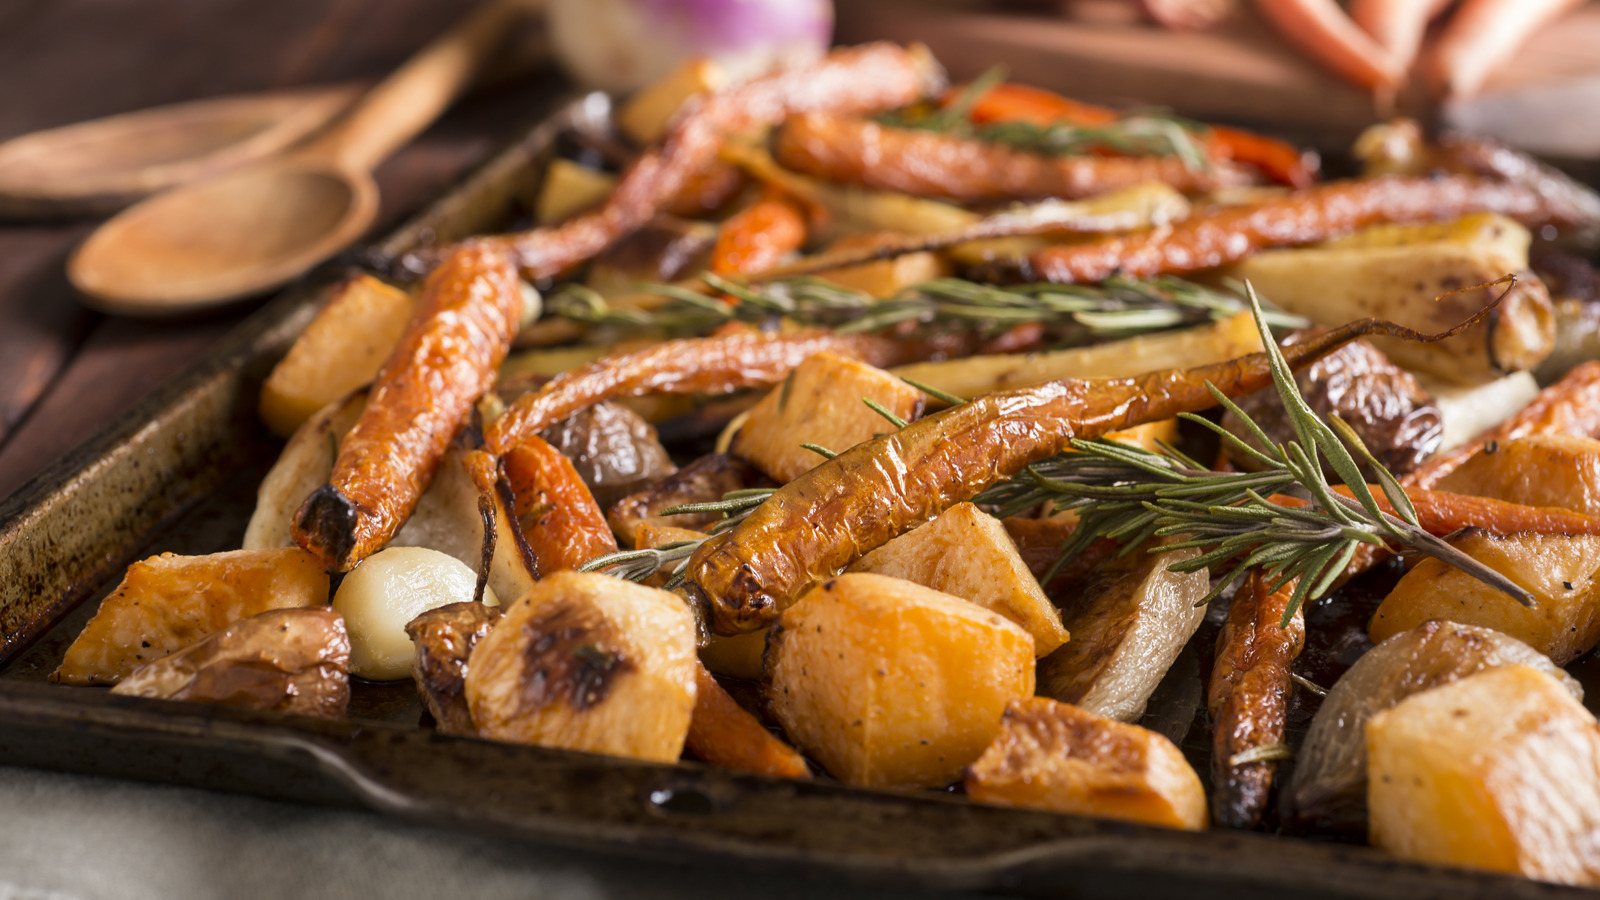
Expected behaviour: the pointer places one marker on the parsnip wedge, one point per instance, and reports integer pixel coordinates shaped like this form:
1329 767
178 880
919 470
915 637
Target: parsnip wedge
1499 771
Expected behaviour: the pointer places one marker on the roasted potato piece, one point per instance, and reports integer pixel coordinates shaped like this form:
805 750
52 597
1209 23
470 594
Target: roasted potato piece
1056 756
1499 771
704 480
1128 622
613 449
380 597
1469 410
1399 272
568 189
1539 470
283 660
1557 569
588 662
977 375
341 350
645 116
444 639
302 467
821 403
1329 786
167 602
966 553
891 684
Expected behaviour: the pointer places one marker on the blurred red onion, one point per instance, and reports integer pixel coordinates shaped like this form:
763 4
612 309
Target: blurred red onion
620 45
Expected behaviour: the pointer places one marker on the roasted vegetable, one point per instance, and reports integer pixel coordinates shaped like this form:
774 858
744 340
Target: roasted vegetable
966 553
588 662
930 164
1317 213
560 526
1558 570
1248 697
168 602
1540 470
1467 411
821 402
1058 757
759 237
444 638
1500 771
569 188
1388 409
649 112
1413 274
1129 620
284 660
302 467
723 734
340 351
613 449
702 481
1328 789
1575 291
891 684
385 593
445 361
663 249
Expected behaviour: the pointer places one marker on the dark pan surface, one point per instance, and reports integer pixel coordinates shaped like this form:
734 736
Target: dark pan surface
179 472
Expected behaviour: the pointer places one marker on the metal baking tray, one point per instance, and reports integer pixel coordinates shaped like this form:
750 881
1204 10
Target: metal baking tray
179 471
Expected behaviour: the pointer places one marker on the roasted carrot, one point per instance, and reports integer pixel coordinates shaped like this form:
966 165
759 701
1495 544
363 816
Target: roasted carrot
1322 30
445 361
816 525
1279 161
1442 512
559 524
706 192
711 365
723 734
1397 25
1322 211
933 164
1482 35
1248 697
759 236
852 80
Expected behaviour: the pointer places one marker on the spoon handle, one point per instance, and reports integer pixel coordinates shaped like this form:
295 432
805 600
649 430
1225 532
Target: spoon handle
406 102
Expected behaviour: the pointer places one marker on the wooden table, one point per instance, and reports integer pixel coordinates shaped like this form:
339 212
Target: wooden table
65 370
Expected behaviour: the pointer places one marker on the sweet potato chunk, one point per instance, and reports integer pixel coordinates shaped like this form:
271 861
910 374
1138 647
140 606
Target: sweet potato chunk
891 684
966 552
1500 771
341 350
588 662
1539 470
1056 756
1557 569
283 660
167 602
821 403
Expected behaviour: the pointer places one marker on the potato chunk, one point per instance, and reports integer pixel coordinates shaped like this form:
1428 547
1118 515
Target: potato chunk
1540 470
284 660
1557 569
891 684
1129 621
1056 756
341 350
967 553
588 662
1500 771
821 403
645 116
167 602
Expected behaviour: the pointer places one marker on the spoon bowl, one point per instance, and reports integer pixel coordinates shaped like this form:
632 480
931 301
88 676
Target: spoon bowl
219 240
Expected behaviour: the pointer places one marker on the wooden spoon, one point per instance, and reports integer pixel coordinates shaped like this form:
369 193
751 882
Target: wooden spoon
101 166
211 242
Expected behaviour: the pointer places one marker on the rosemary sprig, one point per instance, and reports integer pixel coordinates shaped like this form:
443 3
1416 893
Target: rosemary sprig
640 565
1131 495
1119 307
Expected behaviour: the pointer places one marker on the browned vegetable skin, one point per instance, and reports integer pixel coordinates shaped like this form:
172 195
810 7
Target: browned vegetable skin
559 524
930 164
1249 698
851 80
711 365
1317 213
827 518
445 637
446 360
702 481
285 660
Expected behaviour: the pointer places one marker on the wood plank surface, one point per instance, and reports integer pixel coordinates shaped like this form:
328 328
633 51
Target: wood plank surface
64 371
